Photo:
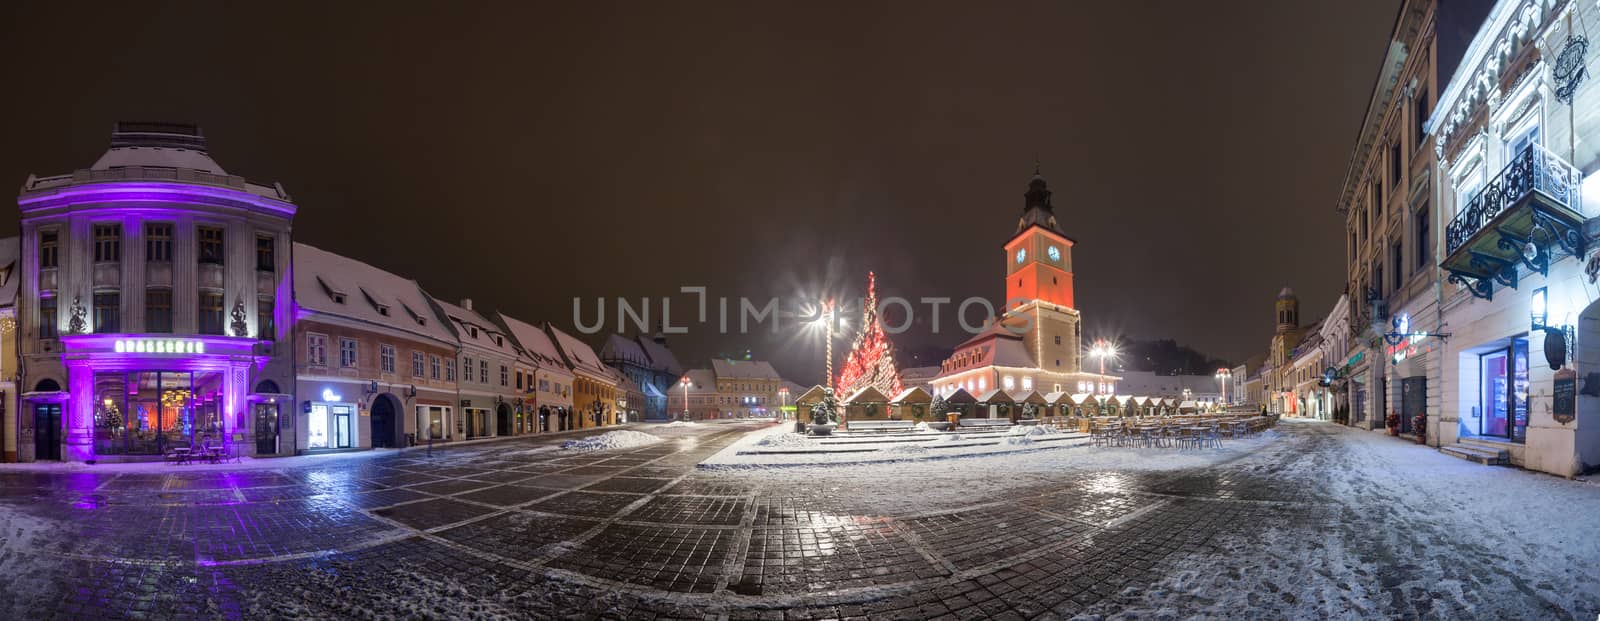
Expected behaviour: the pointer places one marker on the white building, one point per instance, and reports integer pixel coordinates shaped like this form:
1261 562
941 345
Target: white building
552 378
487 398
1517 135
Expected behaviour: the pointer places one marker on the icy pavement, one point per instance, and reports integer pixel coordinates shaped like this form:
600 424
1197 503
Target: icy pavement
1309 521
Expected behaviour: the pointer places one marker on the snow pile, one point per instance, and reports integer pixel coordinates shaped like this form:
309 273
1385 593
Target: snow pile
1018 440
682 423
922 427
907 449
787 440
620 439
950 437
1030 430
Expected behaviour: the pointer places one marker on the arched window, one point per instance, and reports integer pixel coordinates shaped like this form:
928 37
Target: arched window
267 387
47 385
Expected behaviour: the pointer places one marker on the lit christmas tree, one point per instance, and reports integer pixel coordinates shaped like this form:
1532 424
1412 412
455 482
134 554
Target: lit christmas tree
871 358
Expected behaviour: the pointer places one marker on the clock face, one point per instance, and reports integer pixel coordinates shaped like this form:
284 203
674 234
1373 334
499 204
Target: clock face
1055 253
1022 253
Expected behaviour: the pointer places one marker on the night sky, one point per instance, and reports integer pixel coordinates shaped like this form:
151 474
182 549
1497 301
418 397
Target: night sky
522 155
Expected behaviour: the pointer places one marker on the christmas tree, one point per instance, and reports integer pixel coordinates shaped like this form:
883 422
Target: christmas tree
871 358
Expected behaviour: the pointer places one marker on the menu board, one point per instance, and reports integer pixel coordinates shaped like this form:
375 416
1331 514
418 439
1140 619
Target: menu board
1564 398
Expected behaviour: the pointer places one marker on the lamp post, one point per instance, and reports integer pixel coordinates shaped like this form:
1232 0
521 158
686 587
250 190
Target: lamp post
1102 350
1222 378
685 383
783 393
827 328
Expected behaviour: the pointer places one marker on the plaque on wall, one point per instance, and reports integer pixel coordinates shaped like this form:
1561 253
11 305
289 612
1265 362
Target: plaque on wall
1564 398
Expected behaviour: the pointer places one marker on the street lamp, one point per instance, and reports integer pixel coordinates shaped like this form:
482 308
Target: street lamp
685 383
1222 378
783 393
1103 350
826 317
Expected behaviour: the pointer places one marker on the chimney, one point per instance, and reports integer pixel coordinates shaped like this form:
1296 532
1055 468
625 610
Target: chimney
466 303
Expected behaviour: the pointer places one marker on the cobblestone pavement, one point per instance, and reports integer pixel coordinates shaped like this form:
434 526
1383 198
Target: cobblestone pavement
516 530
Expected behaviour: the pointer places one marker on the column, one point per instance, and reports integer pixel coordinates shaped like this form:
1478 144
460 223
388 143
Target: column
79 412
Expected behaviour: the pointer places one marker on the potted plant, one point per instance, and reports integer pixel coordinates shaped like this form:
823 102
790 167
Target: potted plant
1393 422
1419 426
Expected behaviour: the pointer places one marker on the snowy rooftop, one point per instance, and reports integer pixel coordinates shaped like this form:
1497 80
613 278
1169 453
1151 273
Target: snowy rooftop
620 348
700 381
661 358
535 344
579 354
156 152
744 369
475 330
336 285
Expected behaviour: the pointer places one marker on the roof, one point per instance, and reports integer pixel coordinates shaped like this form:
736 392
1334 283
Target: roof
700 381
744 369
534 344
476 330
867 394
161 145
914 394
619 348
10 275
996 396
369 294
1036 207
579 355
811 395
661 358
1034 397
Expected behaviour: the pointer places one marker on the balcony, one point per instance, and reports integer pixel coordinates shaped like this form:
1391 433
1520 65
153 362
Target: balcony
1527 213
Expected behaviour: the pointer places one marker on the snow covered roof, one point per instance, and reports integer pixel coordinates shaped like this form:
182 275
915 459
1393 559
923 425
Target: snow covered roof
578 353
534 345
700 381
161 145
619 348
1054 398
475 330
10 275
1034 397
996 396
914 394
811 395
332 284
744 369
661 358
867 394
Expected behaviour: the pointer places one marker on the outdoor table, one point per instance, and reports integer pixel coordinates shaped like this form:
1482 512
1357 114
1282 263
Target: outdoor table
181 455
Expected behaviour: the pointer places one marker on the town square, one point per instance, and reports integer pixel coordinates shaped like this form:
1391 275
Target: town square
801 311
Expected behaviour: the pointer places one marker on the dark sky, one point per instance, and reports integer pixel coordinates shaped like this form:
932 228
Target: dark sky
524 154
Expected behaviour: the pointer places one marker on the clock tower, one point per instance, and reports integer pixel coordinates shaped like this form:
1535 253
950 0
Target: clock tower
1039 255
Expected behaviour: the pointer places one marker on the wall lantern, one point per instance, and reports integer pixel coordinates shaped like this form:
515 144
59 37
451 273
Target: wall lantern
1539 310
1555 337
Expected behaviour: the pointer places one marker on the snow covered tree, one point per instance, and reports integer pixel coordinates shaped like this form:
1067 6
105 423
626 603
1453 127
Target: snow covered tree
871 358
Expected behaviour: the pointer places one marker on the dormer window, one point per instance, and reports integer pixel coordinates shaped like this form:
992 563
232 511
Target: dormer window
383 309
472 331
419 319
335 294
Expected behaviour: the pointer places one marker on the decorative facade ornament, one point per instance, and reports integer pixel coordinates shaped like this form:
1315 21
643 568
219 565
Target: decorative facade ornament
77 325
1569 71
240 328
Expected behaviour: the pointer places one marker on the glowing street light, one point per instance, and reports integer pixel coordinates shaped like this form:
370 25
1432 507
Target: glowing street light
829 308
685 383
1222 378
1103 350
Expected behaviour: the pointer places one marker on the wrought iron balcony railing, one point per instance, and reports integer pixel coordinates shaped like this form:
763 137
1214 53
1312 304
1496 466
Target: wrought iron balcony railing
1532 170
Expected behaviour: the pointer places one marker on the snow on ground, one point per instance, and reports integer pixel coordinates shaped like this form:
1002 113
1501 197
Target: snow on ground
1413 527
776 446
619 439
682 423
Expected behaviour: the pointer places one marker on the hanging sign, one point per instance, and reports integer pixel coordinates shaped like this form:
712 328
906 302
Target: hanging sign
1564 398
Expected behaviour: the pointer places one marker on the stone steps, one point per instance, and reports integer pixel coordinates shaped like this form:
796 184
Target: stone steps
1485 456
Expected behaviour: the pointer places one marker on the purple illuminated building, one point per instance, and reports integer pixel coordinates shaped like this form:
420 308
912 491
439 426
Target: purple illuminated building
154 305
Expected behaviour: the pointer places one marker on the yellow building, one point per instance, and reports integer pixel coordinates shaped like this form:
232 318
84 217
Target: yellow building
594 385
9 415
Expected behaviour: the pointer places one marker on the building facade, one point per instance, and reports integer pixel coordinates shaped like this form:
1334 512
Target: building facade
371 361
484 390
1517 137
152 311
650 366
550 387
10 277
595 386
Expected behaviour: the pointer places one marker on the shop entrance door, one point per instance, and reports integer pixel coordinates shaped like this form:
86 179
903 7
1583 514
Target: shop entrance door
47 432
343 416
266 428
1504 389
1413 401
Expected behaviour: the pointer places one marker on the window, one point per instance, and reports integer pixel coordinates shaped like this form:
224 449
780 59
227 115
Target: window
158 242
1058 339
1503 391
107 243
210 312
1424 243
347 352
1398 260
449 370
266 252
433 366
386 358
466 369
1419 110
1526 134
519 380
49 249
505 376
418 366
107 312
316 350
210 240
483 371
47 318
266 329
158 311
1395 168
